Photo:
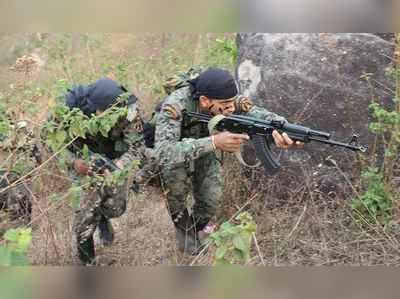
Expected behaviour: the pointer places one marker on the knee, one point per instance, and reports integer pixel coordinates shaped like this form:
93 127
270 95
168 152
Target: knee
113 207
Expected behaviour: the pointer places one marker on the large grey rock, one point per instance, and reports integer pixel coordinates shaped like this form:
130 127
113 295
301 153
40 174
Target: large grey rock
315 80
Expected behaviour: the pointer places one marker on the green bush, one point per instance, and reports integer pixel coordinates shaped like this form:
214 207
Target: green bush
233 241
376 202
17 242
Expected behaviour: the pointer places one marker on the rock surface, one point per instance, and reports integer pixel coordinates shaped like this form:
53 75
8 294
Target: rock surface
317 80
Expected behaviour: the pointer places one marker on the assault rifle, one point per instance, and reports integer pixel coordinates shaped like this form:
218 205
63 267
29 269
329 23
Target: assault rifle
99 163
260 133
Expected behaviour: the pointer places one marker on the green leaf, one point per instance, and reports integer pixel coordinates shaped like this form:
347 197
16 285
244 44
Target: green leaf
5 256
18 259
74 196
239 254
11 235
226 226
61 136
24 240
229 229
19 167
54 198
223 262
220 252
92 127
85 152
104 130
240 243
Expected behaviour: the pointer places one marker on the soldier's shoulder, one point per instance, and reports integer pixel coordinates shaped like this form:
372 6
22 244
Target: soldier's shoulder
176 102
181 96
243 104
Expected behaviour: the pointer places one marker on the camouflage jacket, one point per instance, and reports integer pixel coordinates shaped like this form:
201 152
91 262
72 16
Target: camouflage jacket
176 142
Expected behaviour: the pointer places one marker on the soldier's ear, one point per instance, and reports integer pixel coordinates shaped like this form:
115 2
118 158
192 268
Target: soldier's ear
204 102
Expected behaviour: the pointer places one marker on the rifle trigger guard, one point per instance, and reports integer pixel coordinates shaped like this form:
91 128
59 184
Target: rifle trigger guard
211 128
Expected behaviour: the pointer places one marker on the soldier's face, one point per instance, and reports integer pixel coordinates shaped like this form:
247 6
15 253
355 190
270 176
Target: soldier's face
215 107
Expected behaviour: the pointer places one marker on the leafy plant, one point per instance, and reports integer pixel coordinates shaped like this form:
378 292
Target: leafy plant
376 202
387 124
233 241
74 195
68 124
228 46
13 253
223 53
4 123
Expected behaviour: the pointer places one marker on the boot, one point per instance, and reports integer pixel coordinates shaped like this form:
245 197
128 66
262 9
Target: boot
186 234
106 232
188 242
86 252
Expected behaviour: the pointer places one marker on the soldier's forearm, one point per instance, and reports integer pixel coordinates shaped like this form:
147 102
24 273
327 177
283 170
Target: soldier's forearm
169 153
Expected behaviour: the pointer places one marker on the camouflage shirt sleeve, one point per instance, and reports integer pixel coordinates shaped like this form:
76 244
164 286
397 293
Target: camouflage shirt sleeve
133 136
169 148
245 106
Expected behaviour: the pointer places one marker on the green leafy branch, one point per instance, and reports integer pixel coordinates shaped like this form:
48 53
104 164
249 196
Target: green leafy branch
228 46
233 241
68 124
376 202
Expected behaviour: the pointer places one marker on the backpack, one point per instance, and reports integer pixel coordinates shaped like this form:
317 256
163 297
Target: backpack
181 79
172 83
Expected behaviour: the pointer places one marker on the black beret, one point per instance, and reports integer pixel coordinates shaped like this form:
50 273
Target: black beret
216 84
99 95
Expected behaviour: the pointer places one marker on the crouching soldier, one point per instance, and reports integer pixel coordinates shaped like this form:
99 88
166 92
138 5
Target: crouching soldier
122 148
190 168
15 201
19 156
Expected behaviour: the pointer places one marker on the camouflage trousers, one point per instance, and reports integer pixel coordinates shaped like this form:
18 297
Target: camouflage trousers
96 203
198 186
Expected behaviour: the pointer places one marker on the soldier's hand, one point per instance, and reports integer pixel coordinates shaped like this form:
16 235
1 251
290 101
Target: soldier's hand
229 142
284 141
120 164
82 167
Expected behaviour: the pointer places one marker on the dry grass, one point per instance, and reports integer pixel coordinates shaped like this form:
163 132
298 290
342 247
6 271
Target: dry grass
302 225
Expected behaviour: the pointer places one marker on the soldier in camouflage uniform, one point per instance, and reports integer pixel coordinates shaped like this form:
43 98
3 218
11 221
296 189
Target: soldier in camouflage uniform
190 169
19 155
124 145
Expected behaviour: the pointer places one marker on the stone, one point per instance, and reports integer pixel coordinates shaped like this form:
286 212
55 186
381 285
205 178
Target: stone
318 80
